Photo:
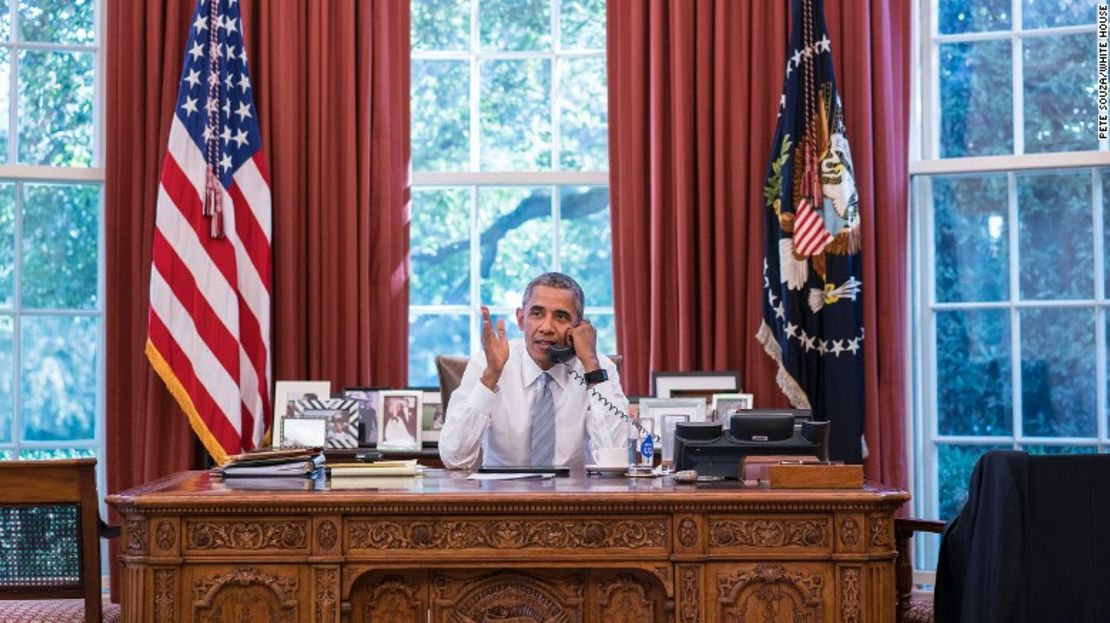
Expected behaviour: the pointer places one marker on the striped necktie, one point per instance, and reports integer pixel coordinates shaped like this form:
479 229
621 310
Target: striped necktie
543 424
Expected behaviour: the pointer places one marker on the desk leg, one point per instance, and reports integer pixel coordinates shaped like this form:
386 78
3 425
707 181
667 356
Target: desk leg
325 588
690 579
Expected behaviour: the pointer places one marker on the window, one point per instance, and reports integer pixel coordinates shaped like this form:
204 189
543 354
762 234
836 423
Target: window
1011 270
51 302
510 166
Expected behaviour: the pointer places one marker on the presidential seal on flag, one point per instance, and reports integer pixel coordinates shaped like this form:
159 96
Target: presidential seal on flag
812 318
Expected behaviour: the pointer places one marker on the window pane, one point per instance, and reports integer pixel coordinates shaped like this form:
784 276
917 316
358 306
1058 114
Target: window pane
516 228
431 335
1059 85
582 24
58 377
1056 246
440 239
42 454
974 394
606 332
5 99
958 16
440 25
440 115
1058 372
586 241
955 466
972 238
7 244
515 24
1055 450
516 115
5 21
60 258
7 378
56 108
1105 178
584 115
57 22
976 90
1049 13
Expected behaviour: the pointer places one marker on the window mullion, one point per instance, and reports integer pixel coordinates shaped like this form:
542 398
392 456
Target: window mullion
1097 203
1015 295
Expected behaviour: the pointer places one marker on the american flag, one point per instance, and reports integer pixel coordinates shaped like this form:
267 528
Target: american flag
209 321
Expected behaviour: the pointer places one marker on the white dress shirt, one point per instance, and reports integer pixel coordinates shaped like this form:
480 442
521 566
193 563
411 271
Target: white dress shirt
499 423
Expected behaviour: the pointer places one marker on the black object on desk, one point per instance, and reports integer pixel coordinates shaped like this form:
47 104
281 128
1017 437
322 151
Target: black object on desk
558 470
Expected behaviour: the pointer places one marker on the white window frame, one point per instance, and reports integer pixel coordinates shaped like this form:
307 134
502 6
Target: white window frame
20 175
475 179
921 417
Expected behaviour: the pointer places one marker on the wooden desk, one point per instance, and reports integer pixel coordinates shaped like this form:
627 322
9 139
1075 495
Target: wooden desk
445 548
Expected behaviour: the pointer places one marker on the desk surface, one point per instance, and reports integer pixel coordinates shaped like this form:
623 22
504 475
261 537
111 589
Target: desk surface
439 487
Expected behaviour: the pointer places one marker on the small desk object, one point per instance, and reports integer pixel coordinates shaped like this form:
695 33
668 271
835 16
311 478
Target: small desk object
445 548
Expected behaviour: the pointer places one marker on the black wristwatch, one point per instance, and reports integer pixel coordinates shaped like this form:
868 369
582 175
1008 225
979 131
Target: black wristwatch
597 376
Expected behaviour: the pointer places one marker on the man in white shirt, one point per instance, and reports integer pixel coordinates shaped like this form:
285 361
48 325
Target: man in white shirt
502 405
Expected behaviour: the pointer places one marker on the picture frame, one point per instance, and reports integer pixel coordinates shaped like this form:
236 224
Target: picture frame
302 433
726 403
656 408
340 414
433 413
369 399
286 392
703 384
399 419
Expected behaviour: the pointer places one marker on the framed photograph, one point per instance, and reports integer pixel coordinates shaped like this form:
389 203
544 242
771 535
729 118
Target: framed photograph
340 414
657 408
369 400
725 405
703 384
302 433
399 420
433 413
288 392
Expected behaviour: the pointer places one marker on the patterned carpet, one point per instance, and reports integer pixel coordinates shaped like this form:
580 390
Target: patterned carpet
52 611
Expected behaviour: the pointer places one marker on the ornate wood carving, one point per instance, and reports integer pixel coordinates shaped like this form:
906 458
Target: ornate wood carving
768 532
165 535
688 532
880 532
392 600
507 534
851 611
326 534
849 532
509 597
164 591
136 536
691 596
247 535
770 593
245 594
327 595
625 600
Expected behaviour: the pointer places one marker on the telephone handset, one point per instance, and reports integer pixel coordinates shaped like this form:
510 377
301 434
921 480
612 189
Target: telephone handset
560 353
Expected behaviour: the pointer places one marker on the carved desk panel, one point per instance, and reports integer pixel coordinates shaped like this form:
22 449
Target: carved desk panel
444 548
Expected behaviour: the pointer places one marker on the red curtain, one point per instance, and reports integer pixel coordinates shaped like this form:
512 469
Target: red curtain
330 82
694 89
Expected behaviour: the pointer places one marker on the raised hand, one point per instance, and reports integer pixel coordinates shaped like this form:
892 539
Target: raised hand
583 337
496 347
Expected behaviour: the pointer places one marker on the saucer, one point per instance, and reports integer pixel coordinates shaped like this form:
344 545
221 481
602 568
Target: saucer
606 469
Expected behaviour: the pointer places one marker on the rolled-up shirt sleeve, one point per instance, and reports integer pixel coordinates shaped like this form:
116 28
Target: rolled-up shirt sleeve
467 418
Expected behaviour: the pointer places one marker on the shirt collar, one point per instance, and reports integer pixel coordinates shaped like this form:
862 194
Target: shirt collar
530 371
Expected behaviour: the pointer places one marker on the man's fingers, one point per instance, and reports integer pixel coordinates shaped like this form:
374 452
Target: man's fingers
501 328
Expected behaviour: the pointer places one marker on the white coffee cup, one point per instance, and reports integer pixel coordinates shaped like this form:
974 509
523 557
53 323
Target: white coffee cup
612 457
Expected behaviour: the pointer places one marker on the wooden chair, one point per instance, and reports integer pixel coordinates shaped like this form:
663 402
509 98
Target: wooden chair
50 531
451 367
911 610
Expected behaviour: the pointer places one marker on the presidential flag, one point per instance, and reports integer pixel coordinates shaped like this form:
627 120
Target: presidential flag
209 321
812 317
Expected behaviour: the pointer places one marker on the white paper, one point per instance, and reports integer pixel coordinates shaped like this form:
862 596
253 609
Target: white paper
509 476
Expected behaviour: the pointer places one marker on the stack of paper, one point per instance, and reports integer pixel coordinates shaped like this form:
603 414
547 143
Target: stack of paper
377 468
293 462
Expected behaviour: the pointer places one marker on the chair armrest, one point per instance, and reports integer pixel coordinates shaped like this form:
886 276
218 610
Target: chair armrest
903 568
107 531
